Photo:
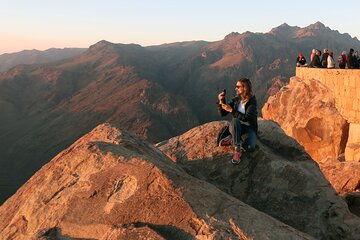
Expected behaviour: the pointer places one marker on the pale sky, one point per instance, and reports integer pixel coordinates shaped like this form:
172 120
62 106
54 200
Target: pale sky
42 24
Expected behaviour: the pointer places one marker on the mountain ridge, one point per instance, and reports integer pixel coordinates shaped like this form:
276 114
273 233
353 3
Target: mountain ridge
169 89
9 60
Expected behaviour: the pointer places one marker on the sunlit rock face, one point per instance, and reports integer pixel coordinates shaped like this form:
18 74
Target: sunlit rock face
306 110
111 185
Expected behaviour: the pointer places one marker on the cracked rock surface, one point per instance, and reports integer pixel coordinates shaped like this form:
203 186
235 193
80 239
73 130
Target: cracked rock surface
111 185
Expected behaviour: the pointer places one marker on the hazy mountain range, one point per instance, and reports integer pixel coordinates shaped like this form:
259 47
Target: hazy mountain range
9 60
155 92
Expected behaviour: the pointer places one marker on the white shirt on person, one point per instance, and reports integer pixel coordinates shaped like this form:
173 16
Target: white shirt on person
241 109
330 62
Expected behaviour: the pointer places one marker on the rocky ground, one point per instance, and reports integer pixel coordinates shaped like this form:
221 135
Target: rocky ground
112 185
280 178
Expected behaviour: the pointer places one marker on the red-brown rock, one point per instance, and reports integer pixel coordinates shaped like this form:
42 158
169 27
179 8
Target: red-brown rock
306 110
110 185
279 179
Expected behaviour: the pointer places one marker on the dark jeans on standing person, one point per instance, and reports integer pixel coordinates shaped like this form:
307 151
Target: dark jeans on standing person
237 129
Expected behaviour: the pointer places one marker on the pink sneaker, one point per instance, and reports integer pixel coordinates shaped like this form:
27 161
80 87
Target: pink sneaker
237 157
226 141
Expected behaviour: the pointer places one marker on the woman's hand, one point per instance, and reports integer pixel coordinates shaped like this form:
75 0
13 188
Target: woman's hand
221 97
226 107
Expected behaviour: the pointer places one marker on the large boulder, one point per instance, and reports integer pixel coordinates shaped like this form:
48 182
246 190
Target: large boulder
279 178
305 110
111 185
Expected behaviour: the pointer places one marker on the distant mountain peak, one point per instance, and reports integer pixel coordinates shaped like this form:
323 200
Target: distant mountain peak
103 47
284 25
101 44
232 35
284 30
316 26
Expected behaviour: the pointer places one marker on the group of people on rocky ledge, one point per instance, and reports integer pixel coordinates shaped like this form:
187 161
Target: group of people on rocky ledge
326 60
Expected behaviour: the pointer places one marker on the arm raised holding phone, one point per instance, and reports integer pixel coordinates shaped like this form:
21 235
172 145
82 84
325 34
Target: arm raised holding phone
222 102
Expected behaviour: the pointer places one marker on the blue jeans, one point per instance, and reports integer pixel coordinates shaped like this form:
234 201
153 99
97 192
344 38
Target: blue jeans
237 130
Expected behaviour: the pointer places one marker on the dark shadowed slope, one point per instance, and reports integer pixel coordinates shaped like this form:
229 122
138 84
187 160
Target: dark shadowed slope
279 179
61 102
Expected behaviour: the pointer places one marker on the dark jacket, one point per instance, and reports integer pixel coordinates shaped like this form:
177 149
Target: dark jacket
250 111
301 61
357 63
315 63
324 60
350 61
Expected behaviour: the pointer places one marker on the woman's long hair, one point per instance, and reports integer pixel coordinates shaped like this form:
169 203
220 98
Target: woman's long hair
245 82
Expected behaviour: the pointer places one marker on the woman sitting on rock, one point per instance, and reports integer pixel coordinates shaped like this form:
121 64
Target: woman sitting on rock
243 108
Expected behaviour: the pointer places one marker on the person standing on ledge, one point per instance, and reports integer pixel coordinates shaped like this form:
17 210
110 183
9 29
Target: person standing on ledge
316 63
330 60
325 58
342 60
243 108
356 60
350 59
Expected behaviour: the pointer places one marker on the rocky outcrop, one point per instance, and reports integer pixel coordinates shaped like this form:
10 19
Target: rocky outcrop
306 110
279 178
111 185
343 176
